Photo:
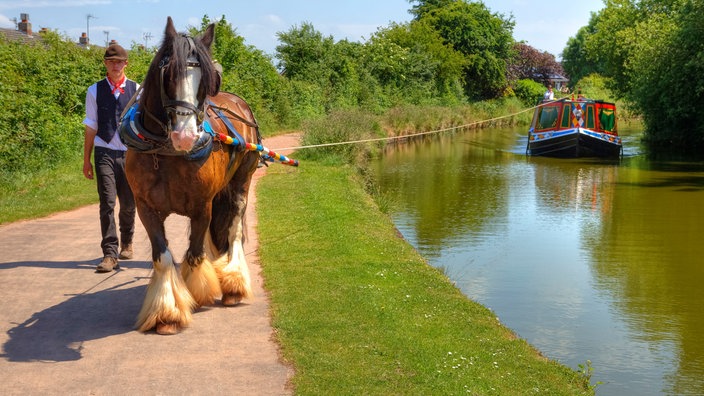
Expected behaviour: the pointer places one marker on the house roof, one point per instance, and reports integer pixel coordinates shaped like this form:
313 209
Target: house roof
557 77
16 35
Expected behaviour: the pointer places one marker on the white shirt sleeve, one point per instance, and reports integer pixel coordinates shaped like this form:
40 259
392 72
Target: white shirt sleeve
91 119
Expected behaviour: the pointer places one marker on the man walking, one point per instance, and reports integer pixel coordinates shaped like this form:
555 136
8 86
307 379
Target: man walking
105 101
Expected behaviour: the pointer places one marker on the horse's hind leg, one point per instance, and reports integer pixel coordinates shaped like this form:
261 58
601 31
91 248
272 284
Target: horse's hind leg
227 236
168 304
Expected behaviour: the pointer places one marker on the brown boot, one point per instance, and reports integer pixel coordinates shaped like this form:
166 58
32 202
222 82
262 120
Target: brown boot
108 264
126 252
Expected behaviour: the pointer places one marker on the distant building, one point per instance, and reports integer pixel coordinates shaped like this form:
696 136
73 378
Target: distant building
558 81
24 33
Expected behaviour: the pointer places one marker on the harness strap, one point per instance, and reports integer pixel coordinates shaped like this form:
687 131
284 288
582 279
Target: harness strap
232 113
238 139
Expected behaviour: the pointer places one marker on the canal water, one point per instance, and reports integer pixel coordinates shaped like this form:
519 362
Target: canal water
588 260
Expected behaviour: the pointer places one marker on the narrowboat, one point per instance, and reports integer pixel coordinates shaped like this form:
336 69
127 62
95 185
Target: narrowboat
569 128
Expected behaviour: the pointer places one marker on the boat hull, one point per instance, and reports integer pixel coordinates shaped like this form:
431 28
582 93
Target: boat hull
573 143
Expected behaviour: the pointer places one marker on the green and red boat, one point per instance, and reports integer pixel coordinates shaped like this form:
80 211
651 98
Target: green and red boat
568 128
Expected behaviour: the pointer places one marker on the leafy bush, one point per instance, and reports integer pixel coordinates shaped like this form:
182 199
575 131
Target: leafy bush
596 86
529 91
42 88
341 126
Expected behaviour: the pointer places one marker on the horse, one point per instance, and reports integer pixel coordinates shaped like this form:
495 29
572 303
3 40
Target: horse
175 166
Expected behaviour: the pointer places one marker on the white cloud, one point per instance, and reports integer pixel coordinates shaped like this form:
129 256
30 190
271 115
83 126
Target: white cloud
6 22
274 19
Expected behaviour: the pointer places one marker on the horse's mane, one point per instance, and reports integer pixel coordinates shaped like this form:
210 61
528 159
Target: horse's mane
173 54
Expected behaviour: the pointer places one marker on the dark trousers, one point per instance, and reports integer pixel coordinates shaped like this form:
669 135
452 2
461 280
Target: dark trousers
112 184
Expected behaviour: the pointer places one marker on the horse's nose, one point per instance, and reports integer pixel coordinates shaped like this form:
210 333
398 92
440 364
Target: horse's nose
185 138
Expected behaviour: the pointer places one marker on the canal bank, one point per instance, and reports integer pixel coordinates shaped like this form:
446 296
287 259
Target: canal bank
358 310
586 259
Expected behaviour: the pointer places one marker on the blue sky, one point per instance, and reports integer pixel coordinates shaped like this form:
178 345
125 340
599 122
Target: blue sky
544 24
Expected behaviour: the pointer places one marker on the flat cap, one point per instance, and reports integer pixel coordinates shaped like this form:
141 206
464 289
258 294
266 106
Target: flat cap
115 52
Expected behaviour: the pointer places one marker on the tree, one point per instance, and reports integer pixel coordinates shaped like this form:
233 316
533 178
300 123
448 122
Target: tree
484 38
529 63
427 7
576 60
302 50
666 76
652 52
248 72
413 61
306 56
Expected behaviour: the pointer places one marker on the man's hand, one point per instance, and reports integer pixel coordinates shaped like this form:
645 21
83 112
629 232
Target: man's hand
88 170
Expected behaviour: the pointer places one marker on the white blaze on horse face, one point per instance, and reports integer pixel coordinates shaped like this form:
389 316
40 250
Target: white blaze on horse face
185 130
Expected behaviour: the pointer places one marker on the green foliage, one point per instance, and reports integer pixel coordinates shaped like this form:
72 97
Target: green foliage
30 195
529 91
341 126
484 38
249 73
595 86
586 370
414 65
139 60
671 99
575 58
651 52
42 88
305 55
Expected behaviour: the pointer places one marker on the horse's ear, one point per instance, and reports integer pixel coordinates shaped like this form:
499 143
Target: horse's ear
208 36
170 30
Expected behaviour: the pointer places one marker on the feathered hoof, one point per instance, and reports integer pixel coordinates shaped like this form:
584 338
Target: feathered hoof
168 328
230 300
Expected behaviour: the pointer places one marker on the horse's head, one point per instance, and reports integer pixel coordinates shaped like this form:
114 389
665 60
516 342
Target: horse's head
179 79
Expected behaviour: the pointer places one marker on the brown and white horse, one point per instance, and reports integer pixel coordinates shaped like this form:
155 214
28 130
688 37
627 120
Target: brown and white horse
178 95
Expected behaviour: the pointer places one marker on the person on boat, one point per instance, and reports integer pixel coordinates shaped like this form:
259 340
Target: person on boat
549 94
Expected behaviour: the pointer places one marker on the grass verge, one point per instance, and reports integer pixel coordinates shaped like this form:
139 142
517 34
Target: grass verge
45 191
358 311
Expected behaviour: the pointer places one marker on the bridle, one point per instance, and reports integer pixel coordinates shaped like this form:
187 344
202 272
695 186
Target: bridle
177 107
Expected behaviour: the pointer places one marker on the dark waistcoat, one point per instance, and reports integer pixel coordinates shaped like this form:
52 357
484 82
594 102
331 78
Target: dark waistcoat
109 108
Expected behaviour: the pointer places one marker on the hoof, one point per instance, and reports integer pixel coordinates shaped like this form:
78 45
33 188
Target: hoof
167 328
230 300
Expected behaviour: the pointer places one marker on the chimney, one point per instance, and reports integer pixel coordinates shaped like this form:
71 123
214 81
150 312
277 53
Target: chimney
25 26
83 40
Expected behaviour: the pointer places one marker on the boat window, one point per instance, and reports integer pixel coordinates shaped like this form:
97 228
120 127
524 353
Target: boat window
566 116
590 117
607 119
547 118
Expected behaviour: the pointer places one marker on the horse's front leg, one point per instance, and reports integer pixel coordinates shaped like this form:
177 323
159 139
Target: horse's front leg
196 269
168 304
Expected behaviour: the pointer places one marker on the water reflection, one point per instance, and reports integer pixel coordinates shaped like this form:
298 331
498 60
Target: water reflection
584 259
